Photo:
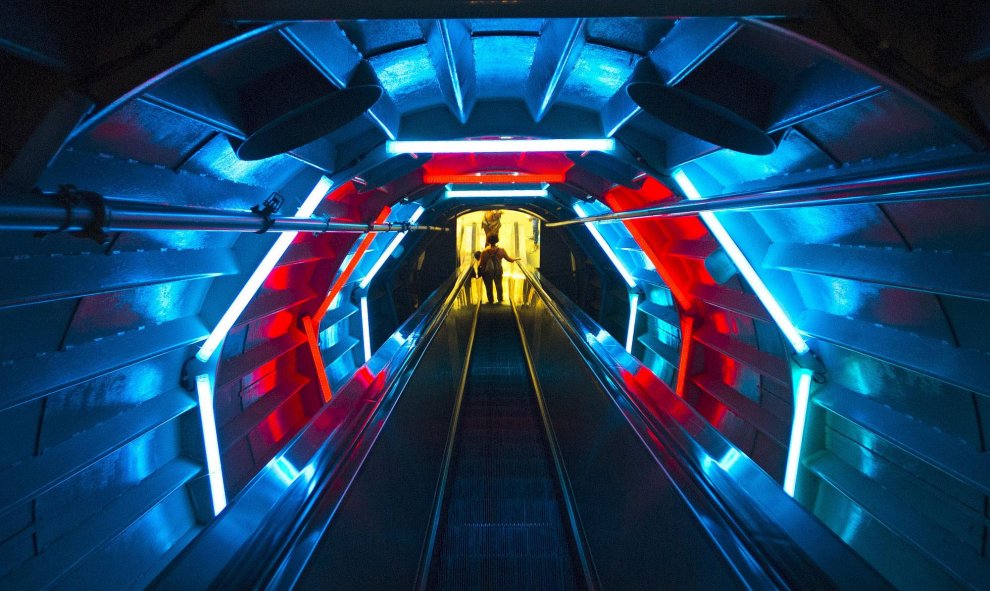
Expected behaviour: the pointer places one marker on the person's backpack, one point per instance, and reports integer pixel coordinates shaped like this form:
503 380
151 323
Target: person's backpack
490 267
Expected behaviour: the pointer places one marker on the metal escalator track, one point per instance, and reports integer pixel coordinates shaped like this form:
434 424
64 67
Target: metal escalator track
502 524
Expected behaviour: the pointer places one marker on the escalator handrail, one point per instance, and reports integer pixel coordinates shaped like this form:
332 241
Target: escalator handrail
243 546
787 539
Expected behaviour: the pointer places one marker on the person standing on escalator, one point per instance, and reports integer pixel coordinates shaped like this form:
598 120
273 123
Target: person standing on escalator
490 265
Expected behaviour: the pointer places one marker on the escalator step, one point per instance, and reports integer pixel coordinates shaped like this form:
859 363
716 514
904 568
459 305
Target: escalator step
502 525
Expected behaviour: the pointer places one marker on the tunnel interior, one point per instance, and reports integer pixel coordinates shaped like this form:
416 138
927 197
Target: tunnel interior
837 287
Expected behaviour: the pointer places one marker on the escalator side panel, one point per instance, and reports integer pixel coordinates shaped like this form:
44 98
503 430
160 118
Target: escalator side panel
637 526
376 536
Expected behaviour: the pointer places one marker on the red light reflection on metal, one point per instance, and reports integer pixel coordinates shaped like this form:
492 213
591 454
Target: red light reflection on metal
730 370
286 420
278 324
651 236
264 378
279 278
365 378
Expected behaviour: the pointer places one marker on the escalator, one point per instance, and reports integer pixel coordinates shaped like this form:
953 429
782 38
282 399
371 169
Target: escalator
510 454
498 519
502 523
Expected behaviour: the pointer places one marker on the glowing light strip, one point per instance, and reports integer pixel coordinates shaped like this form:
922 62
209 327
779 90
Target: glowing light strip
345 275
453 193
389 250
261 273
311 327
314 198
204 392
687 333
498 146
752 277
605 247
801 399
631 330
366 329
502 179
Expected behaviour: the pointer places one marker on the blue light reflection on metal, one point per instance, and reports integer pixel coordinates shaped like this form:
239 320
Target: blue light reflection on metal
261 273
365 329
498 146
745 268
730 459
204 393
605 247
454 193
284 470
802 395
631 330
366 281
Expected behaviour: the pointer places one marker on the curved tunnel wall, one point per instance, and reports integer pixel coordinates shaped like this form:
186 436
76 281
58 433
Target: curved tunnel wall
103 444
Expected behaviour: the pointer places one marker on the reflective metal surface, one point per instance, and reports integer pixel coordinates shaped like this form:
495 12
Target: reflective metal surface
768 538
241 546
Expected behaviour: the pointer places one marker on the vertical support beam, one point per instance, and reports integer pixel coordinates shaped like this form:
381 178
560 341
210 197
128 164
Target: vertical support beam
204 395
802 395
365 329
631 325
689 43
328 49
558 50
311 327
687 342
452 54
200 377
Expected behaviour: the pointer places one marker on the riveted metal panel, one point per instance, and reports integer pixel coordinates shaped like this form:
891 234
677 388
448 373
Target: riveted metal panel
877 127
374 37
73 410
62 508
408 76
144 132
634 35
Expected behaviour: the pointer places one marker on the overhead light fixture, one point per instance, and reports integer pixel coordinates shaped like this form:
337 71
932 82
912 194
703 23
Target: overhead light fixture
500 179
204 394
801 399
260 274
745 268
621 268
495 193
498 146
389 250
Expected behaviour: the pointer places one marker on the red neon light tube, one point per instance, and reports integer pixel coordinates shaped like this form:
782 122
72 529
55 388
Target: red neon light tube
502 179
